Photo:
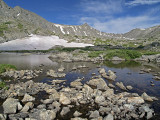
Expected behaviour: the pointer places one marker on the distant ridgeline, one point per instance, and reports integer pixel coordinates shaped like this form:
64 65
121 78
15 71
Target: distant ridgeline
18 23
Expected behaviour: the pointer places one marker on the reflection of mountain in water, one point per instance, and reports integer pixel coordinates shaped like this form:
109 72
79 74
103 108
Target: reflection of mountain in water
24 61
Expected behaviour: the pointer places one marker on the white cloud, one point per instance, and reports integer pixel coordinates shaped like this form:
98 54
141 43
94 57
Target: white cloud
104 15
107 6
120 25
142 2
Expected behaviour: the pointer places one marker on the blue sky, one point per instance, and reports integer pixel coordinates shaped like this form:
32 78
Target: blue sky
112 16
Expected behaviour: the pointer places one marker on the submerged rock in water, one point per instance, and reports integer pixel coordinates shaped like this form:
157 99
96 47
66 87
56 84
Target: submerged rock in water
121 86
129 87
112 75
58 81
146 97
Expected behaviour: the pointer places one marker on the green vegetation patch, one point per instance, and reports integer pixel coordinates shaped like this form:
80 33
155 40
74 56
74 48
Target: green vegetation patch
94 54
126 54
20 26
6 67
150 53
3 85
3 27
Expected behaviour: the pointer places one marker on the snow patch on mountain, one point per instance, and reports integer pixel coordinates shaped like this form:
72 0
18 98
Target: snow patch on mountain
37 42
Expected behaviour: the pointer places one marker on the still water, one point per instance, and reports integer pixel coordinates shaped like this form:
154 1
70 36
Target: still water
127 72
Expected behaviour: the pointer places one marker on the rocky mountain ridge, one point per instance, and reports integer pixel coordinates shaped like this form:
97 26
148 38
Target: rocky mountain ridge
18 23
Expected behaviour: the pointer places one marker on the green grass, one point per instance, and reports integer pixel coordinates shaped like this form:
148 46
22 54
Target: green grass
150 53
3 27
9 22
20 26
6 67
93 54
126 54
3 85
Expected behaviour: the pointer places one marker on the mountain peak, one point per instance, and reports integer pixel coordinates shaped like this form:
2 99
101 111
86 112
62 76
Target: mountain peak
85 24
3 5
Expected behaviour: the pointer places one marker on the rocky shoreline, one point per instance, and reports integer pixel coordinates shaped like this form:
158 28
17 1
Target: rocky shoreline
94 100
76 56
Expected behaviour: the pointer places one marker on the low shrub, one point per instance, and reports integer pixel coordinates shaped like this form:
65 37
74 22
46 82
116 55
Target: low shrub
126 54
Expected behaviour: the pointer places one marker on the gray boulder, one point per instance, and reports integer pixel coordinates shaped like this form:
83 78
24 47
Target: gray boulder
109 117
43 114
112 75
146 97
99 83
121 86
3 117
28 98
99 99
27 106
64 111
94 114
11 106
77 114
64 99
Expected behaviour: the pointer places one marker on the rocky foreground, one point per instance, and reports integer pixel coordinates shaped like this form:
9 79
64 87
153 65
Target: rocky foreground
93 100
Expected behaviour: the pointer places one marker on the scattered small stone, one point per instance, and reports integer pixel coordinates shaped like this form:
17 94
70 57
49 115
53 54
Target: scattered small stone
64 111
77 114
156 78
129 87
94 114
151 81
109 117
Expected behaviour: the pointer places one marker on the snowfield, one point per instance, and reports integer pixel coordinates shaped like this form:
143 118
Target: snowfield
37 42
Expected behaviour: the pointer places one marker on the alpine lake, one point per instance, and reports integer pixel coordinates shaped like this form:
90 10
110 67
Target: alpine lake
128 72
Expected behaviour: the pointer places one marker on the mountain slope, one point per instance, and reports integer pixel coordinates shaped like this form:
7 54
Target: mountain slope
25 23
152 32
16 23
